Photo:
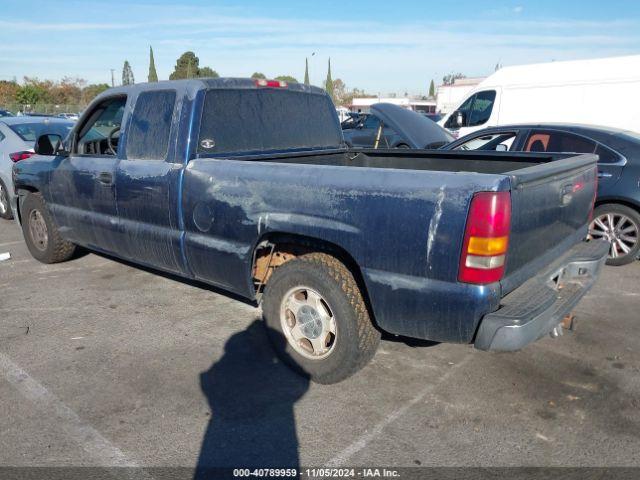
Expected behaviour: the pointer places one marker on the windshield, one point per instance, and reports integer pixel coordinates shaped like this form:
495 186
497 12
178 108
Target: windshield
29 132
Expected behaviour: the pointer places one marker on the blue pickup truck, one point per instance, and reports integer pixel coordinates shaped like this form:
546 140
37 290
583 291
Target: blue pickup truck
247 185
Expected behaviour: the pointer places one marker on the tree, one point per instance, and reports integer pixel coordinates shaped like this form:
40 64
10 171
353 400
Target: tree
339 92
8 91
127 74
258 76
92 91
186 66
286 78
451 78
328 85
207 72
432 89
30 95
153 75
306 71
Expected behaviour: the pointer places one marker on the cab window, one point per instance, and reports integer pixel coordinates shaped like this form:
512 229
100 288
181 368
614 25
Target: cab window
482 108
150 125
99 135
464 109
476 110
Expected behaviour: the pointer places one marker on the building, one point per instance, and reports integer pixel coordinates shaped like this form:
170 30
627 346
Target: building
448 97
417 105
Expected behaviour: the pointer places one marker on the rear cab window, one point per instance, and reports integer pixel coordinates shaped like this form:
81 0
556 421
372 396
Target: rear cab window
248 121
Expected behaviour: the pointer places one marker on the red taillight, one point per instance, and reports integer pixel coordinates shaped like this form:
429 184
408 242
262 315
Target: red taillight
261 82
17 156
486 238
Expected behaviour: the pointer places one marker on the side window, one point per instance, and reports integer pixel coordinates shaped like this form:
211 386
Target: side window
371 122
2 137
607 155
465 109
101 132
482 108
558 142
148 137
494 142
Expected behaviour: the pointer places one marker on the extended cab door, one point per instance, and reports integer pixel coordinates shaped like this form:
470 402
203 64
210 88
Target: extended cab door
82 185
147 183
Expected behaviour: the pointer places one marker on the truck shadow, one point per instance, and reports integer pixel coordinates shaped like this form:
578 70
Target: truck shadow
251 395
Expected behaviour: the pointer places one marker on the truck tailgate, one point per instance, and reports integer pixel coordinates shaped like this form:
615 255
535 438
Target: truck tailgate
551 205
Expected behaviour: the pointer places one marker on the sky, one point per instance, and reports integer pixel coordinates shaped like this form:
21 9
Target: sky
378 46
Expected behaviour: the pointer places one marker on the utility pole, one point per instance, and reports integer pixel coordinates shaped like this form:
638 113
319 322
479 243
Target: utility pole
113 83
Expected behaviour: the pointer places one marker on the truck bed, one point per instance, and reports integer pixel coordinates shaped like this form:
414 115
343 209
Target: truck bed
432 160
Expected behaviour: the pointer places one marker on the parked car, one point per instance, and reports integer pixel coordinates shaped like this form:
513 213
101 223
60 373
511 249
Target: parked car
69 116
617 213
5 113
553 92
401 128
17 138
246 185
434 117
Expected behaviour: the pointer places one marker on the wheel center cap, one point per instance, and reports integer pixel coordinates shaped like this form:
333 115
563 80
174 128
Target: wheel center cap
310 322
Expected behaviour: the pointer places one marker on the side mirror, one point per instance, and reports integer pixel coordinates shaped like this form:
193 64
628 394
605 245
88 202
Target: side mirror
49 144
501 147
459 119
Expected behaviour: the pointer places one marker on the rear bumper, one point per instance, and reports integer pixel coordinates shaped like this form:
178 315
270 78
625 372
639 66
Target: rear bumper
537 306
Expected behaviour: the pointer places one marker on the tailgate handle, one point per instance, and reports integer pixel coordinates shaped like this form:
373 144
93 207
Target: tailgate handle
566 193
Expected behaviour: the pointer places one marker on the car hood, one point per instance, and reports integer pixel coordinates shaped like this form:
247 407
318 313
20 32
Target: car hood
417 130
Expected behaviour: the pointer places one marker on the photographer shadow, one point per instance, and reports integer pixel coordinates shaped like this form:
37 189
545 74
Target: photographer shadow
251 395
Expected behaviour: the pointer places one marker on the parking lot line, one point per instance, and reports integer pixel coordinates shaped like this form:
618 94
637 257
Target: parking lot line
96 445
343 457
6 244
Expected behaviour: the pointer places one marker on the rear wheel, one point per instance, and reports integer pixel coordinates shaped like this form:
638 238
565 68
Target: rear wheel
40 232
620 226
317 319
5 206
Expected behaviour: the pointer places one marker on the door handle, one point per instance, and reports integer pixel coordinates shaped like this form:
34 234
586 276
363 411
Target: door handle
105 178
604 175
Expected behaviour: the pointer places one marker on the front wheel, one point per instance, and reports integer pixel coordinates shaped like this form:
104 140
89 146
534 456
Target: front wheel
620 226
41 233
317 319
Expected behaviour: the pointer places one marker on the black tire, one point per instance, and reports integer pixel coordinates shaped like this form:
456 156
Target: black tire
633 217
403 145
356 338
34 213
5 205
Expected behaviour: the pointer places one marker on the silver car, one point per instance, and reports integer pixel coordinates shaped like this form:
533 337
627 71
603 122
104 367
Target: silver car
17 138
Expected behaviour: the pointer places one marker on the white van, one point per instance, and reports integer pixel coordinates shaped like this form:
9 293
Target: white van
598 92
